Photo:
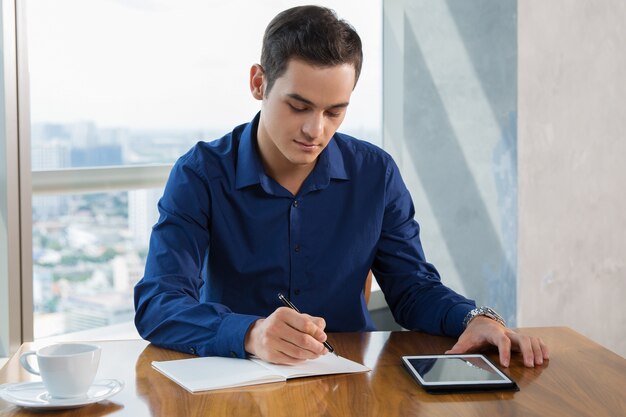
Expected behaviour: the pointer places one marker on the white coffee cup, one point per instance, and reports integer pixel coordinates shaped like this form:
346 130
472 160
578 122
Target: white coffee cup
67 369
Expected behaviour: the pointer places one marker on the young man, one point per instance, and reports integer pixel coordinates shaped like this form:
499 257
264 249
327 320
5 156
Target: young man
285 204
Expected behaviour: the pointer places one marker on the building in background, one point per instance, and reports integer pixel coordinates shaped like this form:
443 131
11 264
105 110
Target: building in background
142 214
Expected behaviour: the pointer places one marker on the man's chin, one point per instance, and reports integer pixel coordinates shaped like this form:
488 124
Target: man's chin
300 157
303 161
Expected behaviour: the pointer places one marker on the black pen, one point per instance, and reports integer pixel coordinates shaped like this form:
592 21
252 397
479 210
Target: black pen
289 304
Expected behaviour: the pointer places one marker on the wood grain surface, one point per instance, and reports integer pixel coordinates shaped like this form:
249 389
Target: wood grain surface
582 378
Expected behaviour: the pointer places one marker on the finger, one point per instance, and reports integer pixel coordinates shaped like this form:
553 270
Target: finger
319 322
504 349
299 344
536 346
298 330
295 353
544 349
264 341
318 331
306 324
299 321
285 336
525 347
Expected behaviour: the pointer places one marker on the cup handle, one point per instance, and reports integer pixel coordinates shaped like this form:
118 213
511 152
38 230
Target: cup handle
26 365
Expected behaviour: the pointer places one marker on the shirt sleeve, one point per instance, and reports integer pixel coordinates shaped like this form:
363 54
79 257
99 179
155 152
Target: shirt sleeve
412 286
169 310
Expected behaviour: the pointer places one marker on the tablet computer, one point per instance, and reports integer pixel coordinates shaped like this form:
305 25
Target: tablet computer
454 373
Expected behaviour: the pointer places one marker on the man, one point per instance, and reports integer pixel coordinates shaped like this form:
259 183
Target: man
285 204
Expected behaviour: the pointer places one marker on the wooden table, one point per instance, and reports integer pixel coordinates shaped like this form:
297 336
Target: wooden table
581 379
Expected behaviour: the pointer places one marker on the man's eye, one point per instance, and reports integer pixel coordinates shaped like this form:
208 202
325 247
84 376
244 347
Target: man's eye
296 109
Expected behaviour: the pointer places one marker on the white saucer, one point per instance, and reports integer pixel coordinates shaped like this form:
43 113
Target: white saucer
34 394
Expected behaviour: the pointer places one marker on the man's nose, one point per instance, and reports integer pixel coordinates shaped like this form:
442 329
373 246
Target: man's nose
313 126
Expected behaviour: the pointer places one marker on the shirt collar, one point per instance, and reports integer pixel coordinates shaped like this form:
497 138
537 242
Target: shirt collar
249 166
250 170
334 159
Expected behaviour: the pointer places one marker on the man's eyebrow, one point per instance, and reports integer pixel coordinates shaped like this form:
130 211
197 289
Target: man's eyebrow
299 98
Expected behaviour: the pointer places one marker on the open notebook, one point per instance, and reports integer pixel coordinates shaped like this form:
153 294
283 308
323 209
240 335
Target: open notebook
209 373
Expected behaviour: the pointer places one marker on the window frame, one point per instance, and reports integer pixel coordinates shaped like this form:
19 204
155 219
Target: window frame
12 330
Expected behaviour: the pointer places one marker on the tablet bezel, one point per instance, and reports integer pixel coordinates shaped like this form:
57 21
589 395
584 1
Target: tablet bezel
505 383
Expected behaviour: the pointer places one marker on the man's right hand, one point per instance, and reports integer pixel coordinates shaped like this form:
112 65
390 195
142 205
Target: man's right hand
286 337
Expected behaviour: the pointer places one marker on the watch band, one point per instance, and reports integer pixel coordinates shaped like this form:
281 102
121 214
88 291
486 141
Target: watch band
483 311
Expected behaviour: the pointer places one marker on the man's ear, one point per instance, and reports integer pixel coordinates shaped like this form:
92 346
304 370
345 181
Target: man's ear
257 81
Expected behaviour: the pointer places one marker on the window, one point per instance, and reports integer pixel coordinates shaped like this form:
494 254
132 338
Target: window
118 91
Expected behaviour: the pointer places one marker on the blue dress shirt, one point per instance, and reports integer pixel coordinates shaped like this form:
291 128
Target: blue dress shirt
230 238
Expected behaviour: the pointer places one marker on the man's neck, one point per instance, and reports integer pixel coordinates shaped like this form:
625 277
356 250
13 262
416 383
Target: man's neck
289 175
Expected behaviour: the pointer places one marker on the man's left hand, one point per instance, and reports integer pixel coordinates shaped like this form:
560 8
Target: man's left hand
483 331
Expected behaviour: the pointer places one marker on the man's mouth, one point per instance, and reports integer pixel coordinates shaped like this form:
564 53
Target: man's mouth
305 145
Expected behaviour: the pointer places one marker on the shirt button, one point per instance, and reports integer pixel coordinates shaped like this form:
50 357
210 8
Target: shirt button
193 351
233 354
295 203
296 292
297 248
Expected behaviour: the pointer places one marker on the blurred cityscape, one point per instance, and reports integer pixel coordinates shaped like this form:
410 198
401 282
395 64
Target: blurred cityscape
89 250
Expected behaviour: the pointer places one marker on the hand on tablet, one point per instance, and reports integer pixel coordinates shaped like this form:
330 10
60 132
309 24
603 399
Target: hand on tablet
286 337
457 373
483 331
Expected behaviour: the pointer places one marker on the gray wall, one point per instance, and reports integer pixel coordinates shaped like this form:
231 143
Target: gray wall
455 74
449 94
572 167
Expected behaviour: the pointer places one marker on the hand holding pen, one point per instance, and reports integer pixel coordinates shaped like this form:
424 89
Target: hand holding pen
288 303
286 337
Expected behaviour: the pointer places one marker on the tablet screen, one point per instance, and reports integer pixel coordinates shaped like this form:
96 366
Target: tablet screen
451 371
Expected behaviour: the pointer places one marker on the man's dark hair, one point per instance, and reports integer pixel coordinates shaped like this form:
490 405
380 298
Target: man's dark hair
312 34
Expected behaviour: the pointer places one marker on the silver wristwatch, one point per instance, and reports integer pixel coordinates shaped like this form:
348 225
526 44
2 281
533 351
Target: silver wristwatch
483 311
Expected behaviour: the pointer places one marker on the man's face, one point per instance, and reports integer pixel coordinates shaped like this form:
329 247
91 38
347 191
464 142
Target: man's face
302 112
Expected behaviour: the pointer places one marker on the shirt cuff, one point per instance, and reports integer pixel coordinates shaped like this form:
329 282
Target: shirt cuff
231 335
454 319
